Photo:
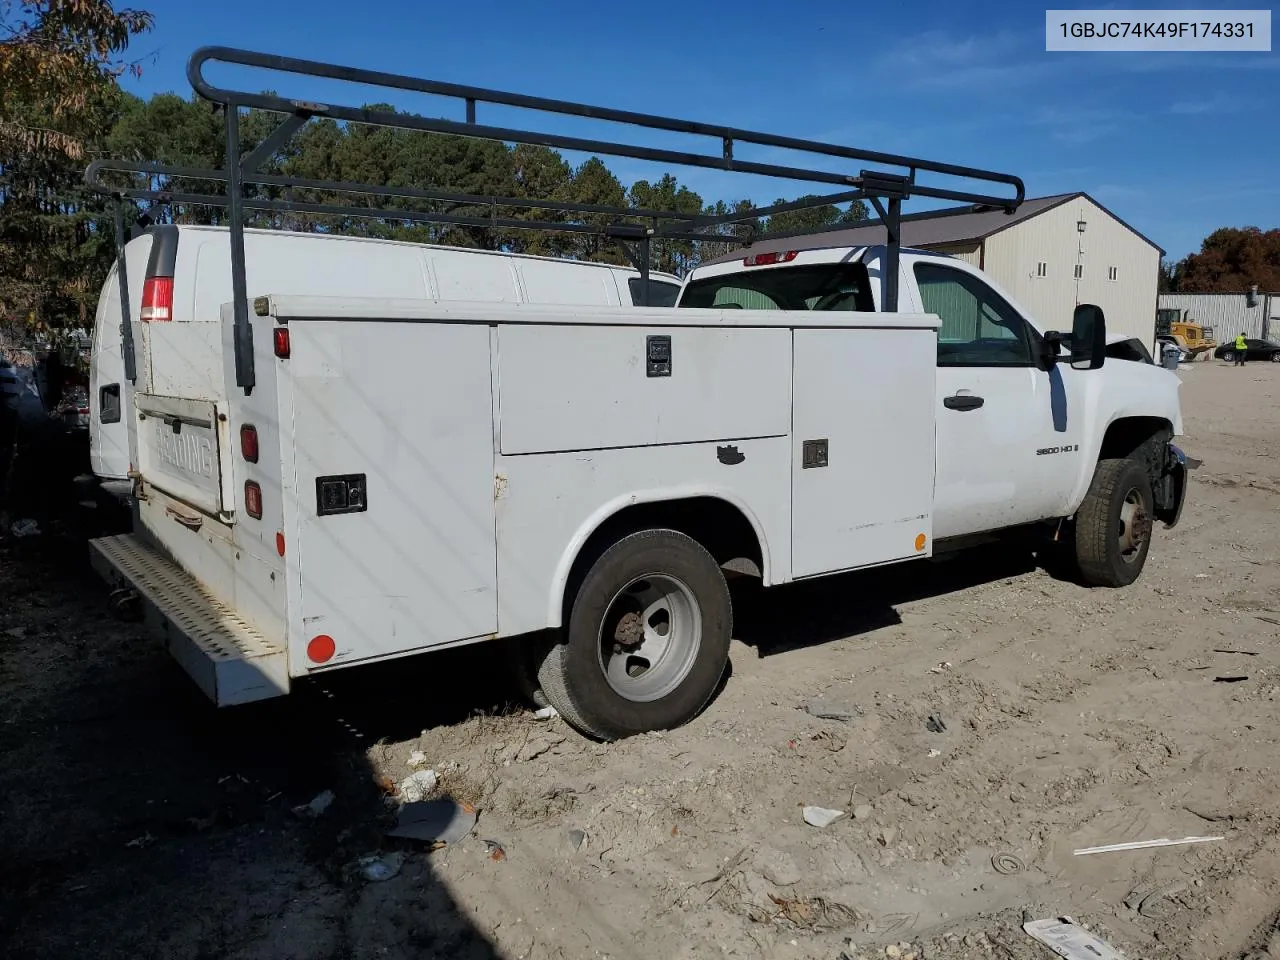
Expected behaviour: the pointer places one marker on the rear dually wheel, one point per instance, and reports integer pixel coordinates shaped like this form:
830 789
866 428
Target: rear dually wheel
647 639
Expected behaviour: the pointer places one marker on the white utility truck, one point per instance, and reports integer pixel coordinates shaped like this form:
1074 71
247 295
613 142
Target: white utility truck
381 477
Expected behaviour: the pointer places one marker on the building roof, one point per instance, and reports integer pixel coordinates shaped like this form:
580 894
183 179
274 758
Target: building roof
927 229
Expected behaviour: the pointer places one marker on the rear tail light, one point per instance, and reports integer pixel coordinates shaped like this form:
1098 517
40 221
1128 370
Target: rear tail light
253 499
157 300
768 259
249 443
280 340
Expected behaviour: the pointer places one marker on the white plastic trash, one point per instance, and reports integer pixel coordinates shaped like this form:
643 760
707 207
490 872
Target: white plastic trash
821 816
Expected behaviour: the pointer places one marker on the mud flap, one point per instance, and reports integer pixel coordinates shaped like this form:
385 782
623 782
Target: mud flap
1171 491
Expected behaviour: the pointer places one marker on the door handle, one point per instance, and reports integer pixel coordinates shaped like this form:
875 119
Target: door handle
963 401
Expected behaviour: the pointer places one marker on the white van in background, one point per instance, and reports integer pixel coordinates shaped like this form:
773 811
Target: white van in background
182 273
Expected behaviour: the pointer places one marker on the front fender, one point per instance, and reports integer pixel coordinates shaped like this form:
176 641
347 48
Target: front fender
1123 390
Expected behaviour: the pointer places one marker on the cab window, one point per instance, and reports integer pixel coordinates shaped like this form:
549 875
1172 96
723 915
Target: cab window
820 286
979 328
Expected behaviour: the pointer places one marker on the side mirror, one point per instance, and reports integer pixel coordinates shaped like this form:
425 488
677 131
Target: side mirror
1088 337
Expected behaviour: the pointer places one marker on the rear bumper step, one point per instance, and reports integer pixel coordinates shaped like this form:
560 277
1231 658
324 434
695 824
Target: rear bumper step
229 660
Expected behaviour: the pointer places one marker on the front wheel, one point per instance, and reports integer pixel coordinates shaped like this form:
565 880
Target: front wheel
1275 357
1113 524
647 640
1229 357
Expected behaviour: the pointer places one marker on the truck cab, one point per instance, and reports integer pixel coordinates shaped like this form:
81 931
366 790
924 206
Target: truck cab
1020 427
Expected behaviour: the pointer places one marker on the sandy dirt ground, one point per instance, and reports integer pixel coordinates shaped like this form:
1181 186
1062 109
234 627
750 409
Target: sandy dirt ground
135 821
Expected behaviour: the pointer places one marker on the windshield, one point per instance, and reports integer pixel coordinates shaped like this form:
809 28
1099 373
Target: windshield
822 286
1133 350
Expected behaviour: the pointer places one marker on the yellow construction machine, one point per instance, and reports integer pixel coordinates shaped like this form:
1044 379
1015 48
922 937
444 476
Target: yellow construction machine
1176 325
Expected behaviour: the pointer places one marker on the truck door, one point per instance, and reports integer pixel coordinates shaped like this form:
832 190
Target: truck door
1007 431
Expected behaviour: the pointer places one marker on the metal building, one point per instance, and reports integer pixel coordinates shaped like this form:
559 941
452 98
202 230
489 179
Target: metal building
1229 313
1051 254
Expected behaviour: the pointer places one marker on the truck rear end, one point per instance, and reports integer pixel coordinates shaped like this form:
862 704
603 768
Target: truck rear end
213 591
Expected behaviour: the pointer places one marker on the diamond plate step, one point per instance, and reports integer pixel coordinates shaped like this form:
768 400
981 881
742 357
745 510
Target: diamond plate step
230 660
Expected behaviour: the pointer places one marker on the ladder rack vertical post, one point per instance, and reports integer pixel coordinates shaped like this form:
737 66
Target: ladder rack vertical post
242 335
645 244
122 277
893 231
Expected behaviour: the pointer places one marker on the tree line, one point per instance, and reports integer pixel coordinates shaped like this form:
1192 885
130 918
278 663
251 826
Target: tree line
1230 260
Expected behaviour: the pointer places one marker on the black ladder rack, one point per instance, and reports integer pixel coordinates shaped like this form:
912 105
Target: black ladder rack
885 190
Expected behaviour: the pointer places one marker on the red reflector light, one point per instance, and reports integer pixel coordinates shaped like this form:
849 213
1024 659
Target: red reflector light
280 338
769 259
157 300
280 544
249 443
321 649
253 499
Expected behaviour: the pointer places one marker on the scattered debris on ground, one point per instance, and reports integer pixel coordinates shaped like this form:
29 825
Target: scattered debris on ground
417 786
1007 864
1071 941
821 816
1143 845
378 867
317 806
827 709
25 528
434 821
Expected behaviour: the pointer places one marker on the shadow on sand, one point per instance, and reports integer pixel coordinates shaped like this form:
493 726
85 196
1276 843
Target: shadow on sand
136 820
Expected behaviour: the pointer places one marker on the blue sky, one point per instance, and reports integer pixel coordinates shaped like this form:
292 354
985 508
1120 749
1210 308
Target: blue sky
1177 144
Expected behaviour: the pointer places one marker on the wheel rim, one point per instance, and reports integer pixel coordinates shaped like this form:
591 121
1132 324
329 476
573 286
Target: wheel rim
1228 357
1275 358
1135 525
649 638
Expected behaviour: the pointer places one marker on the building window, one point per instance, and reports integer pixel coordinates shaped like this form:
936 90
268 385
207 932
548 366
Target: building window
1079 271
1042 269
1113 273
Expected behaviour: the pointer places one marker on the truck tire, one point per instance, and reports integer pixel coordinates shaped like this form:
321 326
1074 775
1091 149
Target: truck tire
647 639
1113 524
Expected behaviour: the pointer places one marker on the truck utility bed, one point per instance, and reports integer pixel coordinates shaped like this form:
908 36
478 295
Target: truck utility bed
425 474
